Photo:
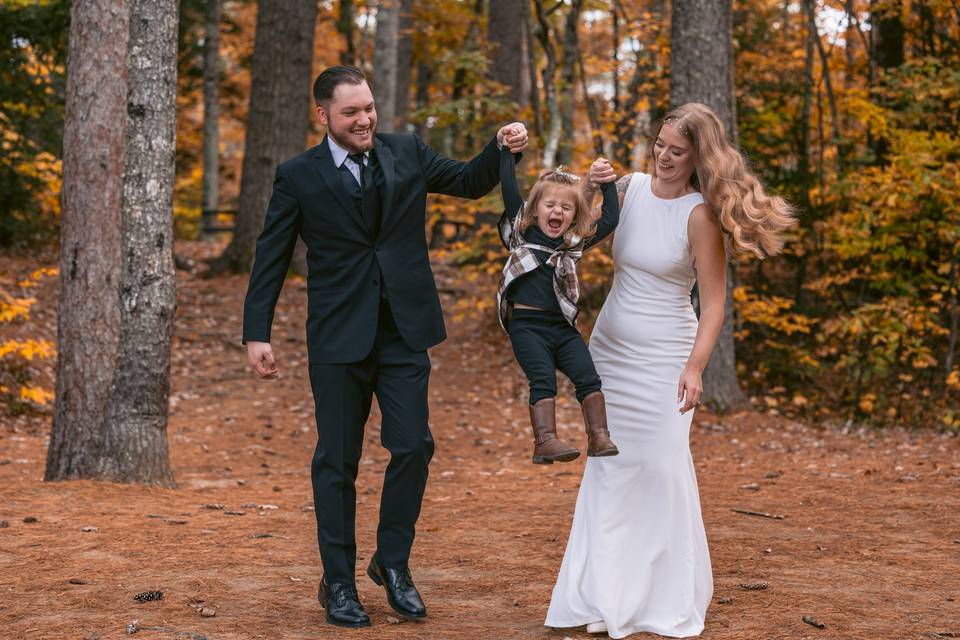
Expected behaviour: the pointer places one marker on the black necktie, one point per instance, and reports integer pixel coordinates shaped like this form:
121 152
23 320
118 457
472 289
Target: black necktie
369 196
358 158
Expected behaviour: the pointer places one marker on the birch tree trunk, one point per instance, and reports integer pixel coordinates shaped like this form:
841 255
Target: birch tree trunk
278 118
88 324
701 70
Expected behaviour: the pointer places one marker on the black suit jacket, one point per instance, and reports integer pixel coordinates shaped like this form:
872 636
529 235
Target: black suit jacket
345 262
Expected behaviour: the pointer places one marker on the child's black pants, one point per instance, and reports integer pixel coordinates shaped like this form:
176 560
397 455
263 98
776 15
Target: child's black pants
543 342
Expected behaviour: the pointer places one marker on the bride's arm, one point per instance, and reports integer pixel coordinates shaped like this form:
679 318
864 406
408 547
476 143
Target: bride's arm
710 261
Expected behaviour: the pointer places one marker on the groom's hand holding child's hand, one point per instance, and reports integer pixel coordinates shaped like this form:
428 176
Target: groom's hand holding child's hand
513 136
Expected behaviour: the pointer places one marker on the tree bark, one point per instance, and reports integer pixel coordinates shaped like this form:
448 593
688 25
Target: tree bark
701 70
345 28
278 119
889 38
568 74
506 34
385 64
135 432
554 123
531 66
210 193
405 28
88 324
117 303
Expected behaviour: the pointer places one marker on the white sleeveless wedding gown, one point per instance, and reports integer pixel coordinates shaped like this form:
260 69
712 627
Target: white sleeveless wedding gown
637 557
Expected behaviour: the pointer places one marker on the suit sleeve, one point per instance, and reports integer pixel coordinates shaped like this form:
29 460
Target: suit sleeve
274 252
609 215
473 179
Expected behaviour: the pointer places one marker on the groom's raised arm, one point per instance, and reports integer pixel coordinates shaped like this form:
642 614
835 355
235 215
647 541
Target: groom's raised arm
475 178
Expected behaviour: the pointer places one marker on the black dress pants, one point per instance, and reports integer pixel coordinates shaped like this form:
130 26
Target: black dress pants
543 341
342 396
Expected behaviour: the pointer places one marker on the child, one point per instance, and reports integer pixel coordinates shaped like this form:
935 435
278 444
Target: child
537 300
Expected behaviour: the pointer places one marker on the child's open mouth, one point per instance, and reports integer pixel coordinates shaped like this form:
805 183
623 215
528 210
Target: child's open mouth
554 224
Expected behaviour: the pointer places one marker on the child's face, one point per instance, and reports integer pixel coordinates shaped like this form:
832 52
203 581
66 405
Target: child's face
556 209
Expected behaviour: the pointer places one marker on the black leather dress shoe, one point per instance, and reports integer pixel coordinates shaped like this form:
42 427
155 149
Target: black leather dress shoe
342 605
401 592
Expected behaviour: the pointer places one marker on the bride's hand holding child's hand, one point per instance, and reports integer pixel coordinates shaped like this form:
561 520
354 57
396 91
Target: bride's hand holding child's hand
600 173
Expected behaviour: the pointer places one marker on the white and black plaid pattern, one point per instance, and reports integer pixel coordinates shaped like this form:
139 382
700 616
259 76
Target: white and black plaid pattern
522 260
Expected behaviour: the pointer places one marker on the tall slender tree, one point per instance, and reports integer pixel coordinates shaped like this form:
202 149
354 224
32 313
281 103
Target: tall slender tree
117 278
279 116
88 323
135 432
701 70
506 33
210 192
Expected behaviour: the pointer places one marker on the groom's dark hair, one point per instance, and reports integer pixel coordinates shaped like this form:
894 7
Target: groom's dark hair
332 77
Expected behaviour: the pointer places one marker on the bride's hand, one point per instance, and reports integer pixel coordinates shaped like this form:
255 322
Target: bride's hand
689 389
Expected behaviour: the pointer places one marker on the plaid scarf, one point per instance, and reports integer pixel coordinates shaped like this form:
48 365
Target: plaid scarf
522 260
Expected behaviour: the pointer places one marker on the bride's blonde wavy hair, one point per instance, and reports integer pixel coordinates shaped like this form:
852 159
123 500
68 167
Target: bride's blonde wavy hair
752 220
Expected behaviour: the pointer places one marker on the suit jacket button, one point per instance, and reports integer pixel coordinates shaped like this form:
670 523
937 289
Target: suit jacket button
376 282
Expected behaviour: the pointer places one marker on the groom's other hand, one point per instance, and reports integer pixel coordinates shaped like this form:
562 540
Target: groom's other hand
513 136
260 356
601 172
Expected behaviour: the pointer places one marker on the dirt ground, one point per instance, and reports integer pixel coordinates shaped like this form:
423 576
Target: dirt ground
869 544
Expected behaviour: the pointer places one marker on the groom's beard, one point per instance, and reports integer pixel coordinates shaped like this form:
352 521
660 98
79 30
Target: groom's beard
351 142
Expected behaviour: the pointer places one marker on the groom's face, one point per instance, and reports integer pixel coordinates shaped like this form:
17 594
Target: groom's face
350 117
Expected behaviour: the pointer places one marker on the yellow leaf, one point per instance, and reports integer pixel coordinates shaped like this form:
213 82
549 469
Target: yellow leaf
37 395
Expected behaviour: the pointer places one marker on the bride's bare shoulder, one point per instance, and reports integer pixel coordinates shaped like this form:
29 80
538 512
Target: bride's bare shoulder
623 182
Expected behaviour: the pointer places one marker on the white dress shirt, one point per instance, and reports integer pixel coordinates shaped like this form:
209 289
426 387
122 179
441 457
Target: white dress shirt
341 155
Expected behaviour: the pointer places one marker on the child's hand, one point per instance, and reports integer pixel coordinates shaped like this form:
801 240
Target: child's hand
601 173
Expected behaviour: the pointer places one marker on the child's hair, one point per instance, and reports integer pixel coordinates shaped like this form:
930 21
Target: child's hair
582 223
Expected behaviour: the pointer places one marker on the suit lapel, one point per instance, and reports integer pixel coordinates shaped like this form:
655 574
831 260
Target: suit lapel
385 159
331 175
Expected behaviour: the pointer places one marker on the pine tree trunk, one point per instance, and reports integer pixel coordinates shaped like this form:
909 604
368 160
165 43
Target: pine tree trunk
701 70
385 64
507 37
278 119
210 194
135 433
90 235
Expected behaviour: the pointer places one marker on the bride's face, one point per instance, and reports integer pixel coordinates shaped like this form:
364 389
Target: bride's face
674 155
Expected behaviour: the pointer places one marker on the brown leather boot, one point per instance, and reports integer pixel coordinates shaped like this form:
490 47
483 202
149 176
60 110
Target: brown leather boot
547 447
595 420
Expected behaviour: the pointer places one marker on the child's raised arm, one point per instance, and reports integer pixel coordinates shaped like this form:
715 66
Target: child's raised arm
510 190
609 211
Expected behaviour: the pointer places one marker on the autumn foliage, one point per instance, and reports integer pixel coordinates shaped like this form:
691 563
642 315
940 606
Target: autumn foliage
848 109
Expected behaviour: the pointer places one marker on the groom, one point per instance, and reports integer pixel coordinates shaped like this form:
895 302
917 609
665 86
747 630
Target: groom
358 200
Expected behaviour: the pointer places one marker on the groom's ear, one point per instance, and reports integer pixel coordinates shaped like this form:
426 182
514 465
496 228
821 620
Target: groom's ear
322 116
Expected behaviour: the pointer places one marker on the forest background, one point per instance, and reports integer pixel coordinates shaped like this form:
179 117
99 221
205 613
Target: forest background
848 108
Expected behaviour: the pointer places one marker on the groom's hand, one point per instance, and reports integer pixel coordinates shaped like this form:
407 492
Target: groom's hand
513 136
260 356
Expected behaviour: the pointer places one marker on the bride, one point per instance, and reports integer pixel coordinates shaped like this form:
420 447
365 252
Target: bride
637 558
